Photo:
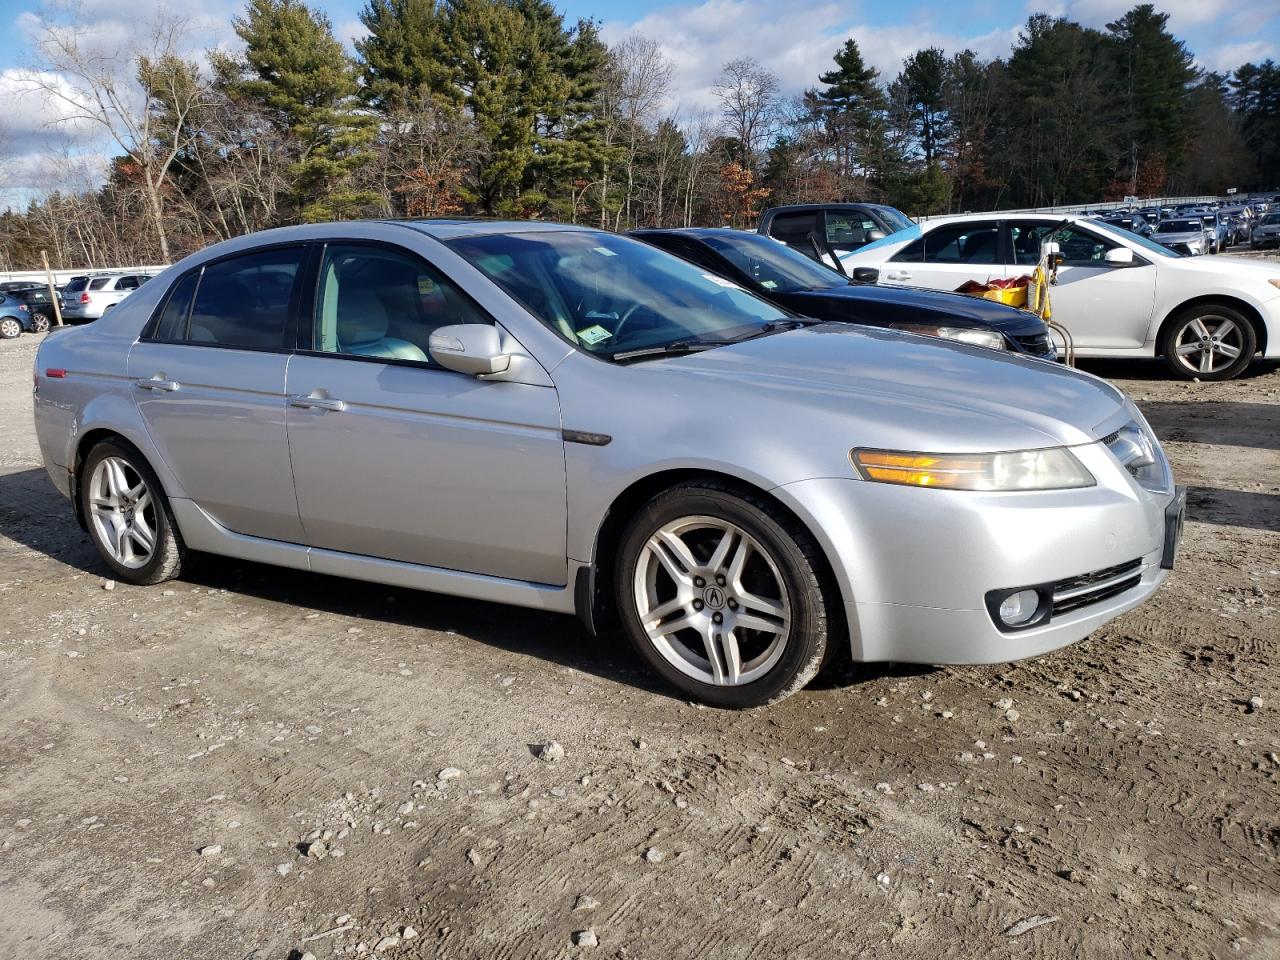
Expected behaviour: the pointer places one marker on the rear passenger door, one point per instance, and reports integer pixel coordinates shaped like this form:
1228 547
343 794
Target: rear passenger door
396 457
209 377
948 255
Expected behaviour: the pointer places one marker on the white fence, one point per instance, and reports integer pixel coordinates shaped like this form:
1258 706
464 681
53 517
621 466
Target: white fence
1072 208
62 276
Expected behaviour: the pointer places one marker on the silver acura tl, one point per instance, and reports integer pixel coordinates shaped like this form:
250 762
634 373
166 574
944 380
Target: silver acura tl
561 418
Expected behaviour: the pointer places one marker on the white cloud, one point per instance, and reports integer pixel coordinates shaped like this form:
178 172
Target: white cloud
797 47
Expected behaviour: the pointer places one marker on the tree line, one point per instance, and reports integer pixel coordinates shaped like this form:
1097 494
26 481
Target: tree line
502 108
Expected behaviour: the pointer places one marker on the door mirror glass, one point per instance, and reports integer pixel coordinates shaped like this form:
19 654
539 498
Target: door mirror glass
1118 256
875 234
471 348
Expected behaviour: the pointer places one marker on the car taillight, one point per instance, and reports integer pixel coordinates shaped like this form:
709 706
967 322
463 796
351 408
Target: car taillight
56 373
84 298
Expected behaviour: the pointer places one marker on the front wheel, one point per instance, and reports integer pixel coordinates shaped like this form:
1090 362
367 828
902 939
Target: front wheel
721 593
128 515
1210 342
39 323
10 329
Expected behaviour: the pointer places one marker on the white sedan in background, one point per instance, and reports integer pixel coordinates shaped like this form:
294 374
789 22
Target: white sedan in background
1118 294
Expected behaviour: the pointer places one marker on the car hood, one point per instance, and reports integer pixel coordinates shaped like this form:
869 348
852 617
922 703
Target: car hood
1178 237
929 303
880 387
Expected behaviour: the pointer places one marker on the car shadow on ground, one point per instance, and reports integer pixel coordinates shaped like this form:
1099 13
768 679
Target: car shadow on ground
1151 369
1234 508
1217 423
34 515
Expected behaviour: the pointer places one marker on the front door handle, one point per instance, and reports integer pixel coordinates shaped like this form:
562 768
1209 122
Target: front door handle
318 403
898 275
157 383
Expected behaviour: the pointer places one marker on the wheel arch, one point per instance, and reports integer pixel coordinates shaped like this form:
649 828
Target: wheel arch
1250 312
593 591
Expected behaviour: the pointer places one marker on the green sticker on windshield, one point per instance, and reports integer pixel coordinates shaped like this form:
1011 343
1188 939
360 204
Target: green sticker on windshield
594 334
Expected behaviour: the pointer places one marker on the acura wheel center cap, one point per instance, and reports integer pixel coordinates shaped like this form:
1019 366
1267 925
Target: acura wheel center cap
713 597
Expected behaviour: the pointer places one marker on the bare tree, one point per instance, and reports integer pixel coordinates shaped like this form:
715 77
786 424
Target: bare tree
748 95
140 94
699 131
643 79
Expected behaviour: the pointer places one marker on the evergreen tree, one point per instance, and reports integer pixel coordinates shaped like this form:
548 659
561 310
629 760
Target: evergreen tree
404 57
1155 72
853 107
298 73
923 80
1255 95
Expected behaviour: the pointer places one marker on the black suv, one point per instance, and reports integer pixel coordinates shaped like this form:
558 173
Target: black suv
824 231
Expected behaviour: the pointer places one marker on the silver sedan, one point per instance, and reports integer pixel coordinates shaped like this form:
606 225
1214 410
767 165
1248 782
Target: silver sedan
560 418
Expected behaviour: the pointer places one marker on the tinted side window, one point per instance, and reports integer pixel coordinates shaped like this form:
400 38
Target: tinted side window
376 302
793 229
977 242
127 283
848 229
244 301
1077 246
99 283
172 324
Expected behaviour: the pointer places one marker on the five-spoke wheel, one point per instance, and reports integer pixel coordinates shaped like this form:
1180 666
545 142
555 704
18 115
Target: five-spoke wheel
721 593
1211 342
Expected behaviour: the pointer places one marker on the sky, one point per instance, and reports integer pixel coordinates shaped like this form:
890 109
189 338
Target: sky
795 40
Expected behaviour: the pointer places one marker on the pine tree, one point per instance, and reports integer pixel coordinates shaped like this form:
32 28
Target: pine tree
853 106
297 72
405 56
923 82
1155 73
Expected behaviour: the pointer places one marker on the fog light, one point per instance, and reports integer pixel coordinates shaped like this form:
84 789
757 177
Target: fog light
1018 608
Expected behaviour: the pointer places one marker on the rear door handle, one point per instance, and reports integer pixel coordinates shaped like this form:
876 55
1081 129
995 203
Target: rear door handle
318 403
898 275
157 383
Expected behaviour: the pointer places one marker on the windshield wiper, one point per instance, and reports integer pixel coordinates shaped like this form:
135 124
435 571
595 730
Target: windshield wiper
667 349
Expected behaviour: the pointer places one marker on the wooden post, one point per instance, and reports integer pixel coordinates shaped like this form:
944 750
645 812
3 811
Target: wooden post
53 292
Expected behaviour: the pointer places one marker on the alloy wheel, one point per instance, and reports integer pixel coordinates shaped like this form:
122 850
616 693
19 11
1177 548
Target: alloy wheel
10 328
711 600
39 323
123 512
1209 343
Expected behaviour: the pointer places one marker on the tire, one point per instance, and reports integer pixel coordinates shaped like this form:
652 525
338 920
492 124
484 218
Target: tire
771 574
168 554
39 323
10 328
1182 336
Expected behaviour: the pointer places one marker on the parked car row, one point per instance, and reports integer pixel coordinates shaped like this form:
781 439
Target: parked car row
80 299
566 419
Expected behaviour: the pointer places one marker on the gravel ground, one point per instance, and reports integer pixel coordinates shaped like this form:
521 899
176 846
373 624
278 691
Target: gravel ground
254 763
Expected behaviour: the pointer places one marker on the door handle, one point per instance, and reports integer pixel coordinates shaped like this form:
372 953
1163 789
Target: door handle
157 383
318 403
898 275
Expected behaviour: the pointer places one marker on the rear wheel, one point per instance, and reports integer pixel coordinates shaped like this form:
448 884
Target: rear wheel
39 323
128 515
10 329
1209 342
721 594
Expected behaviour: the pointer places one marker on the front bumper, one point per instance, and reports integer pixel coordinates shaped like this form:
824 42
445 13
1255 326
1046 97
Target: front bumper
915 566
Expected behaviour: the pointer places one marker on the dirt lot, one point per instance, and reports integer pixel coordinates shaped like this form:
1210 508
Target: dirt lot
1130 790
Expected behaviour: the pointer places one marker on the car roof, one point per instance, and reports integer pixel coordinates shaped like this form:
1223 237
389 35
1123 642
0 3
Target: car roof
695 232
451 228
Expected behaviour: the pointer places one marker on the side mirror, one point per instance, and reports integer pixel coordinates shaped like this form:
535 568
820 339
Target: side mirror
1118 256
875 234
866 275
471 348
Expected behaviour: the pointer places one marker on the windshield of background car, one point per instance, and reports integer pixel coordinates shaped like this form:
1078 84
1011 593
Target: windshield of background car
1180 226
902 237
895 218
607 294
773 265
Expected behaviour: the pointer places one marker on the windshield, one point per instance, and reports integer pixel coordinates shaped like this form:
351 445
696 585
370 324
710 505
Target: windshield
1180 226
773 265
895 218
607 294
1138 240
1271 218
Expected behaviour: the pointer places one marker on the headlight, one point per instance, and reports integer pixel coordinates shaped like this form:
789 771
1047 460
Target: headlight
1055 468
977 336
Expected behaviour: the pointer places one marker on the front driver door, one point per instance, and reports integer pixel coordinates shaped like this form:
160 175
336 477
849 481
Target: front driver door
1102 306
397 458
